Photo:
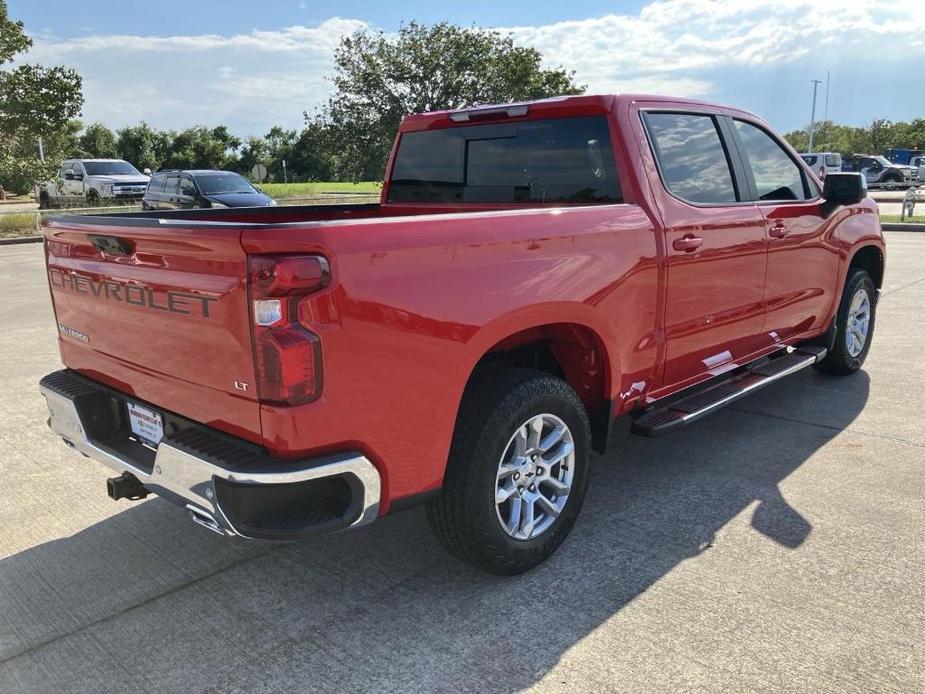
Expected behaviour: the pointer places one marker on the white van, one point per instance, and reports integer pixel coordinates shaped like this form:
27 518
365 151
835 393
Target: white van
823 162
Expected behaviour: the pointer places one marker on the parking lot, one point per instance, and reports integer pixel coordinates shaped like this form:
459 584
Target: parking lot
776 546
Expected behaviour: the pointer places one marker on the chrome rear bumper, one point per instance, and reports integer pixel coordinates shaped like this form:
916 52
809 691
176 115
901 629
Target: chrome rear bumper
229 487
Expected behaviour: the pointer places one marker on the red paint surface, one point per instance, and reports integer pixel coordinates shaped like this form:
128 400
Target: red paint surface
420 293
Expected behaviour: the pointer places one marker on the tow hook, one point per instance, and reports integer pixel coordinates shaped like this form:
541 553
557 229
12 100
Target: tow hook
125 486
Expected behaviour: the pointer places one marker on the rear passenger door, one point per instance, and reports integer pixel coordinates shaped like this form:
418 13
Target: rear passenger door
802 257
716 246
171 198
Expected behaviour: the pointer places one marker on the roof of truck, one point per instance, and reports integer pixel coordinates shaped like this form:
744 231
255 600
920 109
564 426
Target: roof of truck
558 106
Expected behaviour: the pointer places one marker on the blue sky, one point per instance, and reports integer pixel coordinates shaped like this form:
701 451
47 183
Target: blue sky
252 65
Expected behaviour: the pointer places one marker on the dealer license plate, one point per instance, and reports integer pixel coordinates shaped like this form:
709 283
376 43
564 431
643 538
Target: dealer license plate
146 424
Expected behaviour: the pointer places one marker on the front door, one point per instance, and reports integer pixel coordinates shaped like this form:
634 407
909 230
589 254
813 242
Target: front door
802 259
716 249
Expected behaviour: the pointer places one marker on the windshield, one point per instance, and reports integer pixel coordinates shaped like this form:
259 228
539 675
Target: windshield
219 184
110 168
883 161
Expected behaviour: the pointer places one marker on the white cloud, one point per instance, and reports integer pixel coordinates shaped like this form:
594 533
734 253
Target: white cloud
751 52
669 45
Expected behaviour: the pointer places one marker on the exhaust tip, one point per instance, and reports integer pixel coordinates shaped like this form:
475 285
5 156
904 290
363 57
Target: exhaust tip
205 519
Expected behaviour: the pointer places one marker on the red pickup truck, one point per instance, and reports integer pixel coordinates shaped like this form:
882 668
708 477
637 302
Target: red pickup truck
532 272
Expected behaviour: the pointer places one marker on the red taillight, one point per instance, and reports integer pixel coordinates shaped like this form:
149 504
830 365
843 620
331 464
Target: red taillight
287 355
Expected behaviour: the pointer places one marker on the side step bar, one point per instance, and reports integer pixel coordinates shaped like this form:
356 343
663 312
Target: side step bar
661 420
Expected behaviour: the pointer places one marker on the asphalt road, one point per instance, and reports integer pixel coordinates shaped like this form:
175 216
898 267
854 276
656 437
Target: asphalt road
776 547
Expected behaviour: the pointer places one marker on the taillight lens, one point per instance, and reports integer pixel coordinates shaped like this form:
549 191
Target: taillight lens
287 355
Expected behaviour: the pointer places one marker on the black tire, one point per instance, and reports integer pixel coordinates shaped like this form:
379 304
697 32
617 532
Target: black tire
93 198
44 201
464 517
839 359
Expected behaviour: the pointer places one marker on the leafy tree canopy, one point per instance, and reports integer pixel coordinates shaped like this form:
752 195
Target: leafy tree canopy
35 102
881 134
379 78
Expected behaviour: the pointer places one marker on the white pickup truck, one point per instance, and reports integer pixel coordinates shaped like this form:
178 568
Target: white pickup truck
93 181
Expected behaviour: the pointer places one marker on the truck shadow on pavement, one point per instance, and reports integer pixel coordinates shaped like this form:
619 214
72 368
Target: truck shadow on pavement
146 600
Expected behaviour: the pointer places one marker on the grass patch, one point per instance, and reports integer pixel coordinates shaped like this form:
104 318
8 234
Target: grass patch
288 190
13 225
897 219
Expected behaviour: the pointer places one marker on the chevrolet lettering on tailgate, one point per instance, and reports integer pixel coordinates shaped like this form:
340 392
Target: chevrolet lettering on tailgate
173 300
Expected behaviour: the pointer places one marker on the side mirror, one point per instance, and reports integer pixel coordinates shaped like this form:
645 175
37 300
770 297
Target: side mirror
841 188
68 175
78 177
147 171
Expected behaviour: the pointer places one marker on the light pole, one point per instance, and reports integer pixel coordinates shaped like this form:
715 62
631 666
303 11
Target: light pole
812 118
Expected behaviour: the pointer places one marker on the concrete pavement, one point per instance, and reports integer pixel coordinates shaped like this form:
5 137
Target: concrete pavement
774 547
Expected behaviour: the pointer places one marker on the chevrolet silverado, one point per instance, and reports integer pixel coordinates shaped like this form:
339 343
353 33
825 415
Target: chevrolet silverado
532 272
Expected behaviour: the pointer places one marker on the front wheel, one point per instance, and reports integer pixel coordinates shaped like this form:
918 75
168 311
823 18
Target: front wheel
854 325
517 472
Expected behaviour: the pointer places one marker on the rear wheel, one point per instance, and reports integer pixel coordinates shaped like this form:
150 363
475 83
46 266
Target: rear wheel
854 325
517 473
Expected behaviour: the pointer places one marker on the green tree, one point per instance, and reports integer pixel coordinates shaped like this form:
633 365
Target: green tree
378 78
143 146
203 148
35 102
254 151
312 157
98 141
280 146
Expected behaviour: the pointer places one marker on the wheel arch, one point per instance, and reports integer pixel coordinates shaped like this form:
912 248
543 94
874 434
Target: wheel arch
869 257
569 344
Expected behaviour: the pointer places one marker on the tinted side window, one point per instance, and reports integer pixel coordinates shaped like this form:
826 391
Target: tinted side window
172 186
691 157
187 187
811 160
156 184
777 176
556 160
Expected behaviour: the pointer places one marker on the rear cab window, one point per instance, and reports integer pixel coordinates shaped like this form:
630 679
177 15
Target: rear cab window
564 160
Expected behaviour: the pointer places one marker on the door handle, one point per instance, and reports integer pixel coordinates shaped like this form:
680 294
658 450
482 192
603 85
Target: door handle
779 230
687 244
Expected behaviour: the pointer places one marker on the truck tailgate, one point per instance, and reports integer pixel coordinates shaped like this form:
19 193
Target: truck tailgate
160 312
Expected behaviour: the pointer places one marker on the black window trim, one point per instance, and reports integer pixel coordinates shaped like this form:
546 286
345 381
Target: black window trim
809 185
730 150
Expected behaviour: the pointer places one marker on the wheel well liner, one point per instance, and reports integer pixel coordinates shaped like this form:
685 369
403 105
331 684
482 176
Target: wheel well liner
869 258
570 351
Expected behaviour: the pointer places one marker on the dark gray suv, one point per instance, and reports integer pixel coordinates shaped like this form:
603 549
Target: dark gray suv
173 189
